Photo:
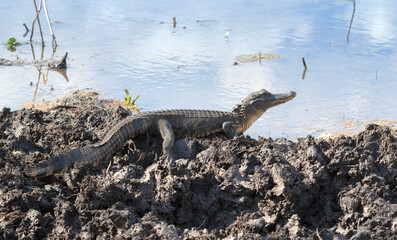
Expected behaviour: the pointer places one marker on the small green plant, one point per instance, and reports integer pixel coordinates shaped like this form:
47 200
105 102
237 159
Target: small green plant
130 104
12 44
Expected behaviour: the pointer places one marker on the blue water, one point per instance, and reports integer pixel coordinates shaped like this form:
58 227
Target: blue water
132 44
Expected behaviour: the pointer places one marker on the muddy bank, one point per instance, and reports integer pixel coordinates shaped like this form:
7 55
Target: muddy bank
342 188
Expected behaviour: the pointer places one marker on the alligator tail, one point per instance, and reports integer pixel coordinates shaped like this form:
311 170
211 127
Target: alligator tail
114 139
56 164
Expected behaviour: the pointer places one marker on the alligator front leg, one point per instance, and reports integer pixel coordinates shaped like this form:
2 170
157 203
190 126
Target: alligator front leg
227 127
167 133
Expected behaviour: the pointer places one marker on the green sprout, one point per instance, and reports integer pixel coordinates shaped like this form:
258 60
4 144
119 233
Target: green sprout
12 44
130 104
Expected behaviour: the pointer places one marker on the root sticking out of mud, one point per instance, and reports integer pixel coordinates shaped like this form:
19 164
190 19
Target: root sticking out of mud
340 188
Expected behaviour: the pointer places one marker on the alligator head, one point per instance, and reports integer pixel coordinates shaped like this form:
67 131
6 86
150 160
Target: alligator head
256 104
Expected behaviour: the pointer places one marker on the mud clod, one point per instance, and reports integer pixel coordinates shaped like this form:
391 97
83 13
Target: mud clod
218 188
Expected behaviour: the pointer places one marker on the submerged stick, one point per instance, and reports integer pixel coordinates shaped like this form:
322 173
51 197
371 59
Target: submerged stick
304 62
304 74
27 30
351 20
26 27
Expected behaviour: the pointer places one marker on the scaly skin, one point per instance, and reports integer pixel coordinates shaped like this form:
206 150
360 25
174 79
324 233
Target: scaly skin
167 123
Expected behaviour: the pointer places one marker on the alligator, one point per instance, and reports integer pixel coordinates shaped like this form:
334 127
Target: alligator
168 124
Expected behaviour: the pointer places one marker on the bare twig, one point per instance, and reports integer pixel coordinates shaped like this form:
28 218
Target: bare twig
202 224
304 62
54 42
38 22
318 234
110 164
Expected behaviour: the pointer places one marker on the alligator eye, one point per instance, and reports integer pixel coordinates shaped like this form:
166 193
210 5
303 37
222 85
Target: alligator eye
265 93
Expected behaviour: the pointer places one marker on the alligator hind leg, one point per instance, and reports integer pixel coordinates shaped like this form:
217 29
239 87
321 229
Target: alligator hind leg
167 133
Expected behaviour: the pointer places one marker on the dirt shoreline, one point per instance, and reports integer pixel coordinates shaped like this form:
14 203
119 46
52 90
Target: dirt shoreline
242 188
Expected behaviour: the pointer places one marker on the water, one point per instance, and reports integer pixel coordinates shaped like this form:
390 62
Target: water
132 44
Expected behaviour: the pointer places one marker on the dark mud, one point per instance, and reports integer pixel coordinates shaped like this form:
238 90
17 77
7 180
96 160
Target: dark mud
342 188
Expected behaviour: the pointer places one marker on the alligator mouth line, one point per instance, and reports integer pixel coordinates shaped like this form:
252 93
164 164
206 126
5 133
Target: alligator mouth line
285 97
275 99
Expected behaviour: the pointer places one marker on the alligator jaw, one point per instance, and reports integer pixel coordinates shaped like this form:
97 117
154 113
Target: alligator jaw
283 98
268 100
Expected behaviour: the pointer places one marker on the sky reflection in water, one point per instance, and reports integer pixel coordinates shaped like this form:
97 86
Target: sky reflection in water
132 44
